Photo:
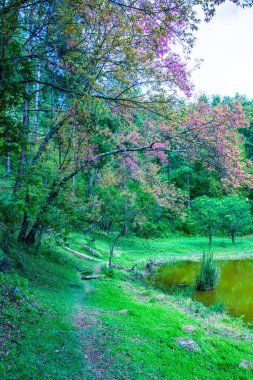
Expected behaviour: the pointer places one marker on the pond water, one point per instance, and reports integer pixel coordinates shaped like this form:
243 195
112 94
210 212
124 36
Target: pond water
234 289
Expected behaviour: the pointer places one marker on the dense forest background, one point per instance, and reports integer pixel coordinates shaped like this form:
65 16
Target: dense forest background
97 130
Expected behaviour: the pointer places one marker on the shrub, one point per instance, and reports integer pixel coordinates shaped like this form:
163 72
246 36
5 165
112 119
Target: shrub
209 273
153 230
108 272
87 271
182 292
218 307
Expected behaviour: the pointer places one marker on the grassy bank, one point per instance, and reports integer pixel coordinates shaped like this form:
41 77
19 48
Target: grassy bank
55 326
132 250
137 330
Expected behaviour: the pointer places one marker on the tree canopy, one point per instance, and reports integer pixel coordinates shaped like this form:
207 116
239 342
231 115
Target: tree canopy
87 87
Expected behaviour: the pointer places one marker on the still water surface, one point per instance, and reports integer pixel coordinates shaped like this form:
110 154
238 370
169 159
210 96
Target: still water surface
235 287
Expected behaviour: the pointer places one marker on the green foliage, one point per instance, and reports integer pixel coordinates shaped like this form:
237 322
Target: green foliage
108 272
235 216
205 213
183 226
9 214
149 229
229 214
209 273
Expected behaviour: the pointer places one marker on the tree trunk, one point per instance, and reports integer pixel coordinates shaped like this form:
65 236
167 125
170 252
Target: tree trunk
233 235
89 189
169 171
74 187
25 222
210 238
126 229
3 45
39 238
37 226
22 168
93 178
74 162
31 237
188 191
110 257
8 164
8 158
112 246
23 157
36 111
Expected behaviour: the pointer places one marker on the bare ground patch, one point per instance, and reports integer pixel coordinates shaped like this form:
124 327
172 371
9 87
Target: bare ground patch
94 336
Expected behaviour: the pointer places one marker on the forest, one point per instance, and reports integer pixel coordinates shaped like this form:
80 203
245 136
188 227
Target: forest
126 202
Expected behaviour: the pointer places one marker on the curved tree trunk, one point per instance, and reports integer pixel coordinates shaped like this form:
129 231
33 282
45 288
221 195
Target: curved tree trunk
112 246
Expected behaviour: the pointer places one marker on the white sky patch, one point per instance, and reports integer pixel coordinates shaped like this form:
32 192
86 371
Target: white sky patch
226 46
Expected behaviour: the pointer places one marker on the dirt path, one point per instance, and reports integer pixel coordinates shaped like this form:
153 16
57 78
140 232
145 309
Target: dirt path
93 336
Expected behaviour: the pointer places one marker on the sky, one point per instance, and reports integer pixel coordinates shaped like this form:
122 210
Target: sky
226 46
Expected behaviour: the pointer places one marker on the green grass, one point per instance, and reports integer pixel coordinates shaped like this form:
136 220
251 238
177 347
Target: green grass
58 327
143 341
42 341
131 250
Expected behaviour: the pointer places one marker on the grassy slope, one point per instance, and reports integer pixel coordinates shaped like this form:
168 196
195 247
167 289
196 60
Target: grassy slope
63 328
42 342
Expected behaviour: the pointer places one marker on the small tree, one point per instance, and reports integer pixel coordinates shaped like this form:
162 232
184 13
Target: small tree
235 215
205 213
112 214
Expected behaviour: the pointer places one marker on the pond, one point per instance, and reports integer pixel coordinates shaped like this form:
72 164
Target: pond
235 287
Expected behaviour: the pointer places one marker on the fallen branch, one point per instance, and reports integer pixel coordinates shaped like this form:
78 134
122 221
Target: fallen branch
91 277
91 250
81 255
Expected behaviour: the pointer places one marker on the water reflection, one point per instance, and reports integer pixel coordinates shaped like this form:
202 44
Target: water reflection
235 287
